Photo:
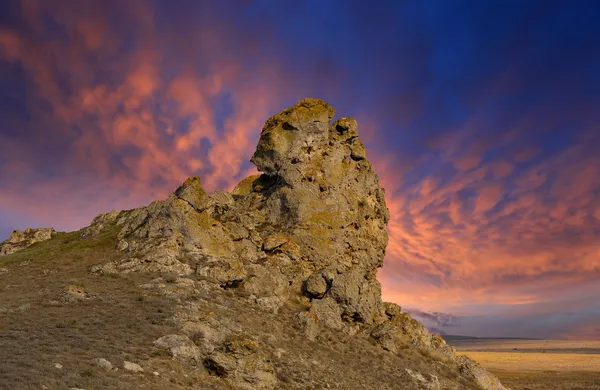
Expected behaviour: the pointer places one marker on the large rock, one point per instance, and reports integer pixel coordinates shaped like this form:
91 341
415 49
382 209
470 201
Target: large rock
19 240
309 234
320 192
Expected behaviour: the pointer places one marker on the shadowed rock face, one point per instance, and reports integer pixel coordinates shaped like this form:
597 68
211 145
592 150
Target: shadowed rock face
308 233
19 240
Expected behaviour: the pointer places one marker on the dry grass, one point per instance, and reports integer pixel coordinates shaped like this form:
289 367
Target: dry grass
531 362
535 346
549 380
37 330
538 364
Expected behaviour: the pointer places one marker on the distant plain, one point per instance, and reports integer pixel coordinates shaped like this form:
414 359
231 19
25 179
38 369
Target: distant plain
536 364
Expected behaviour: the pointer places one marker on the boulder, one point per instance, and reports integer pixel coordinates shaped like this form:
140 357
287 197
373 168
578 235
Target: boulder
104 364
132 367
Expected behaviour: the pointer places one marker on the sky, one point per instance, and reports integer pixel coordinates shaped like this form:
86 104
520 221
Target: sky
481 118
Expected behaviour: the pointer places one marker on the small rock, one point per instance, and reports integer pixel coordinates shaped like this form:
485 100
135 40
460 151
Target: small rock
122 245
104 364
3 270
155 373
58 365
270 304
73 293
274 241
315 286
133 367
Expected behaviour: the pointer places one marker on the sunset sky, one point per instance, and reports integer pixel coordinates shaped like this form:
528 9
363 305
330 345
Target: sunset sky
481 118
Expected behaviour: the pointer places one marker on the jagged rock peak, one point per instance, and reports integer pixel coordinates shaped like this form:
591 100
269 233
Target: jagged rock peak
288 137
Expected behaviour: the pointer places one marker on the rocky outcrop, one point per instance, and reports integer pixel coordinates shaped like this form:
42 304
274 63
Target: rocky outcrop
19 240
400 330
309 233
472 369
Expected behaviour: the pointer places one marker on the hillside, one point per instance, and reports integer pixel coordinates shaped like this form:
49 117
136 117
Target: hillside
271 286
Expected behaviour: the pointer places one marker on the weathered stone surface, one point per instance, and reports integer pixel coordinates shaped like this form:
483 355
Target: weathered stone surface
19 240
264 281
133 367
244 365
275 241
104 364
432 383
73 293
392 310
270 304
328 313
100 223
227 272
308 323
470 368
400 329
236 231
192 192
245 186
319 283
182 347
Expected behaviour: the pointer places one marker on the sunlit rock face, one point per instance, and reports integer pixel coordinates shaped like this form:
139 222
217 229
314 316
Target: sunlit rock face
19 240
316 213
309 234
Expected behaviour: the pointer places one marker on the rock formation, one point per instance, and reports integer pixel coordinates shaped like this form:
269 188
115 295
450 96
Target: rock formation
307 234
19 240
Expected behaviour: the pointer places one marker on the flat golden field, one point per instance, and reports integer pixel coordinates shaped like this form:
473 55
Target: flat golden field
537 364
